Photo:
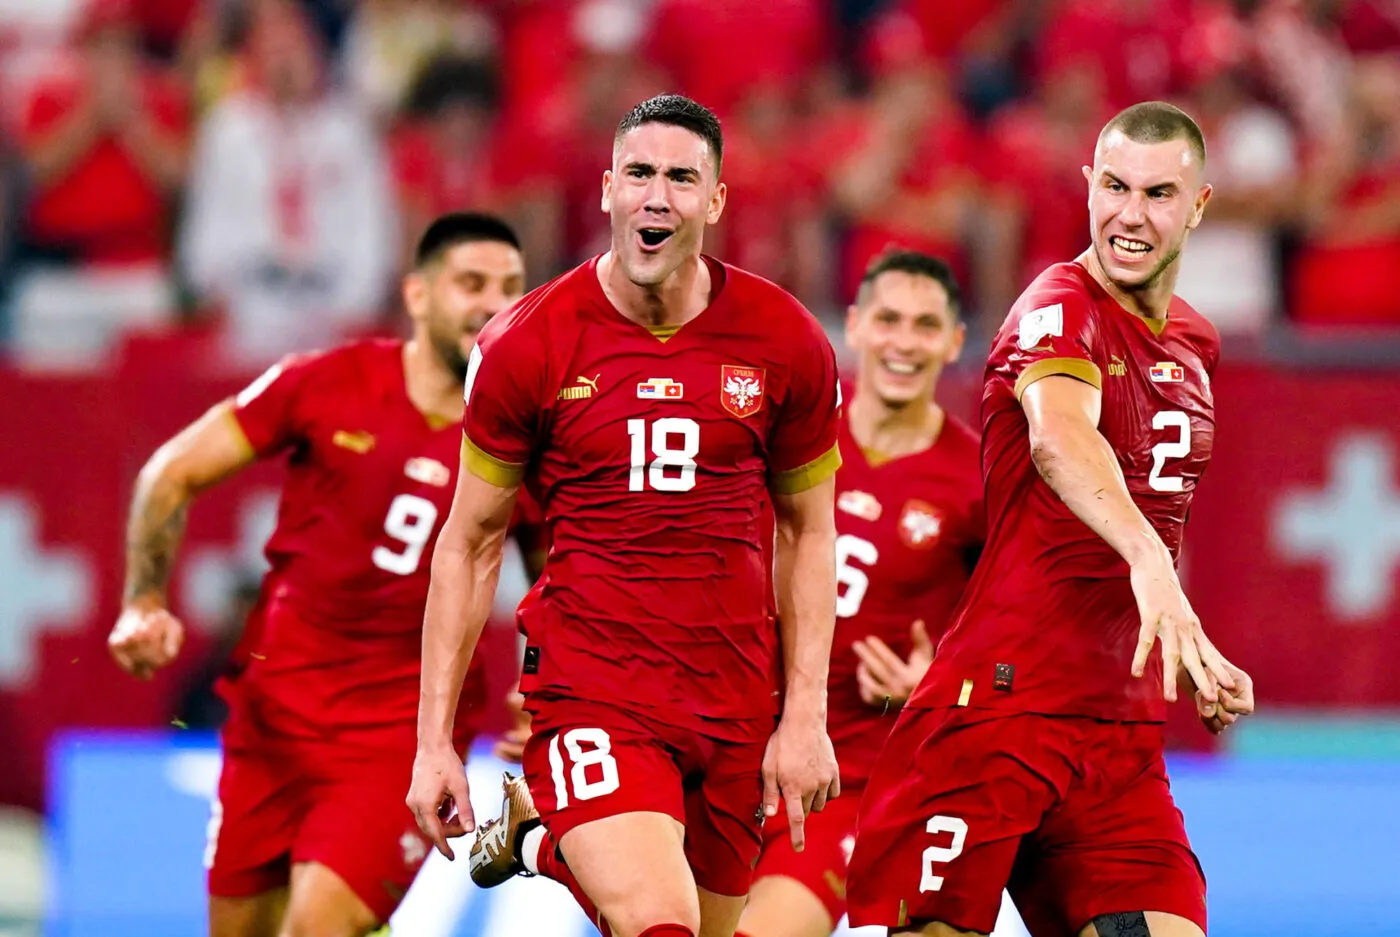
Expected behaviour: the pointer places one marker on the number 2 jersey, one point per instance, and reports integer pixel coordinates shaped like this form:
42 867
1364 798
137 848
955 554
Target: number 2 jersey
1049 623
333 648
908 532
652 453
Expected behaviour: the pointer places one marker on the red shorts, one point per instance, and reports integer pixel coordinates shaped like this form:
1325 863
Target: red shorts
586 761
821 865
284 803
1073 816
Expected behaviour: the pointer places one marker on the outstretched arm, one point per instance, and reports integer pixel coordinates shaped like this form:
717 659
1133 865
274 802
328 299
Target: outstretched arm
1079 465
147 637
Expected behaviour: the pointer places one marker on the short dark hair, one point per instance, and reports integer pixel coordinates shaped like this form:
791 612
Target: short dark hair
915 264
677 110
1158 122
460 227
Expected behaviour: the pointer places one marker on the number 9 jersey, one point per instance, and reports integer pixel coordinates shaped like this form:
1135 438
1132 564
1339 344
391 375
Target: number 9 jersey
1048 623
652 452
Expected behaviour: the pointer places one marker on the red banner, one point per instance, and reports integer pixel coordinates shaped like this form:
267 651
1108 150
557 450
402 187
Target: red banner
1291 555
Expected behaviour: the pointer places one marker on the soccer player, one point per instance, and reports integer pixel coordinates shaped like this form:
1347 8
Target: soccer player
309 834
1030 756
909 521
655 399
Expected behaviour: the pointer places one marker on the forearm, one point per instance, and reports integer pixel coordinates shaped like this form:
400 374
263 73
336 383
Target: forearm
54 155
805 582
459 603
159 509
1079 466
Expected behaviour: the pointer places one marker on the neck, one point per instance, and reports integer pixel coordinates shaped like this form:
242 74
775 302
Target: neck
432 386
676 300
1150 302
894 431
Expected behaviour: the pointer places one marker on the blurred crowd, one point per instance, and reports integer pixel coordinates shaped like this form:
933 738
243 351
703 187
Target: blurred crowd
257 170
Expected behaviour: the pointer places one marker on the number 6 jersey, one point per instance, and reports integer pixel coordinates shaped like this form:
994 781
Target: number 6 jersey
1048 623
333 648
652 452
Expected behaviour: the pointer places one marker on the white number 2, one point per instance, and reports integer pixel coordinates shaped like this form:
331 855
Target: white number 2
599 755
667 457
410 520
1179 448
942 854
853 578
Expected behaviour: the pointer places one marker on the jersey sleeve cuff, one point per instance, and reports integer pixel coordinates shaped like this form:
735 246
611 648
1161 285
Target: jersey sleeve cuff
1077 368
490 469
797 480
235 424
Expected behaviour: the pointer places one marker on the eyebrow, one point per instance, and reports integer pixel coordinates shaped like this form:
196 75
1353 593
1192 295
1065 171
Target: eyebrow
1159 187
677 174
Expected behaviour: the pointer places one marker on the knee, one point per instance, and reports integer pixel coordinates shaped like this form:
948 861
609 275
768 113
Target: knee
638 913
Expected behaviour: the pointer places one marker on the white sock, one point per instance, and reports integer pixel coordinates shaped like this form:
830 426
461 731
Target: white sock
530 849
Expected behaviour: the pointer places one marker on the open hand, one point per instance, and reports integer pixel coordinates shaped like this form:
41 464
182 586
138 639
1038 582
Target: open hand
884 678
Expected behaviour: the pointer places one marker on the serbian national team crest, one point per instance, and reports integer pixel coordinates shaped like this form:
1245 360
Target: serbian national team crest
741 389
919 524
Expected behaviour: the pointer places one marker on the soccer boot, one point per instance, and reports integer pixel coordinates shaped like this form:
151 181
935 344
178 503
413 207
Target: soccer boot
495 853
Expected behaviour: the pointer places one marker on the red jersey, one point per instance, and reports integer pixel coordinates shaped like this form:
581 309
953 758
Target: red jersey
908 530
652 455
335 645
1049 623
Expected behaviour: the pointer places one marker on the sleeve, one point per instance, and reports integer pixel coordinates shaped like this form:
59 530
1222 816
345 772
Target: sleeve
802 447
269 411
504 377
1056 336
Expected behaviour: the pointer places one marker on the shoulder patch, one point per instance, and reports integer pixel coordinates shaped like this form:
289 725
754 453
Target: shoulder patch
1042 323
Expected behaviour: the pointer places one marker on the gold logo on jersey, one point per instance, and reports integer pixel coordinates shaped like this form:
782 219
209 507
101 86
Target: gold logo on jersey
358 441
582 389
1117 367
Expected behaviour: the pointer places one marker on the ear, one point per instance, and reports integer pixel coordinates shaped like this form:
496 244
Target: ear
717 201
852 325
415 294
955 347
607 191
1199 210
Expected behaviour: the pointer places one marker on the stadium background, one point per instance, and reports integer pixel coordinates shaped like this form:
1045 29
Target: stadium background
164 234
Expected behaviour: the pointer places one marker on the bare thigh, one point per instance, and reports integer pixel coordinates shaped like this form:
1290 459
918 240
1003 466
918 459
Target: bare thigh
781 906
719 914
634 868
255 916
322 905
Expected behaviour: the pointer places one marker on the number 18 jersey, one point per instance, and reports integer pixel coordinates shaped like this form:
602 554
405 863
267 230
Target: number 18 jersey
1048 623
652 455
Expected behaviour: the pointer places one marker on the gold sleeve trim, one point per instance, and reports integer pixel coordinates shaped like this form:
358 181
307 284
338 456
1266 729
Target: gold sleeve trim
490 469
797 480
240 434
1077 368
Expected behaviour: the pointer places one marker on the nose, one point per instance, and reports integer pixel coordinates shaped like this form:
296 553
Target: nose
658 196
1134 210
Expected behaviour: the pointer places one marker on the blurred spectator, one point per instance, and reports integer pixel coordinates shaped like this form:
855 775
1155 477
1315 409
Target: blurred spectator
1231 272
456 153
290 226
1037 206
105 146
1345 271
390 41
1137 44
716 50
1305 66
900 165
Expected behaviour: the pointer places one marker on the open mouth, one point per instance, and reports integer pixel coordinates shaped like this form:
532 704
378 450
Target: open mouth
654 237
901 367
1129 249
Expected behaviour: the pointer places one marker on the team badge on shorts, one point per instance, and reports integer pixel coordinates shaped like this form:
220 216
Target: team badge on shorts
919 524
741 389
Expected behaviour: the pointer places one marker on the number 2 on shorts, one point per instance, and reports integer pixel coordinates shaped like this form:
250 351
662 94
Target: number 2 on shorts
600 755
942 854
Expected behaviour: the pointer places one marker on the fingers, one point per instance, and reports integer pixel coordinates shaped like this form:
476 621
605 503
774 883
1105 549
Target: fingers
1214 661
1171 661
1191 660
771 797
1147 636
428 822
878 665
797 818
872 691
461 799
919 633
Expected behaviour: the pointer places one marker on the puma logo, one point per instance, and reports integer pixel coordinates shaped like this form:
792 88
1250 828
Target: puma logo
583 388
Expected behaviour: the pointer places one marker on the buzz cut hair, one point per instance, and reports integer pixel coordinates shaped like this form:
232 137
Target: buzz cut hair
1158 122
914 263
676 110
460 227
